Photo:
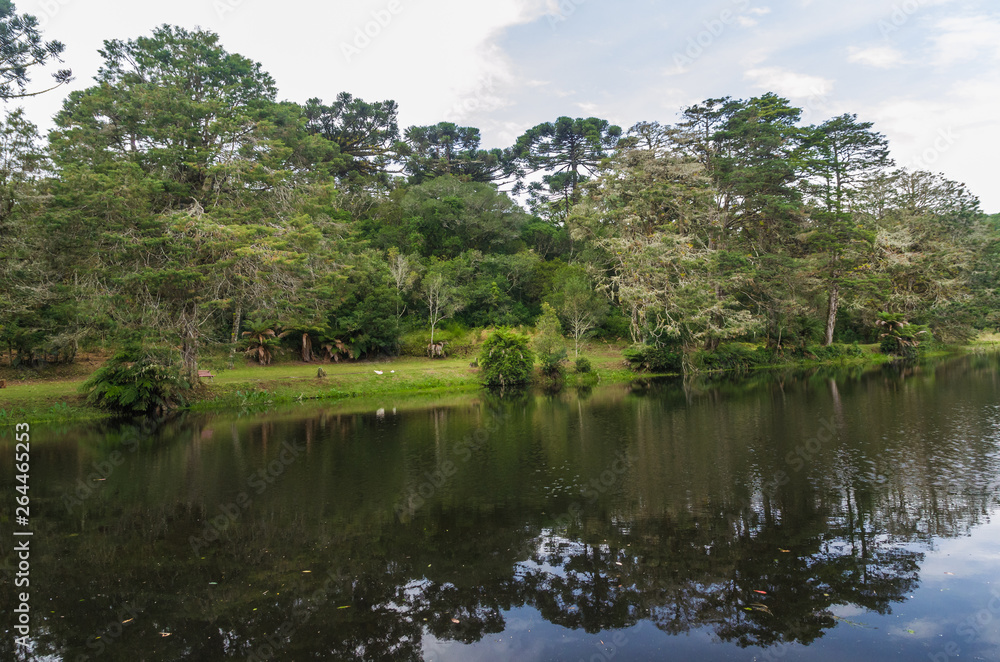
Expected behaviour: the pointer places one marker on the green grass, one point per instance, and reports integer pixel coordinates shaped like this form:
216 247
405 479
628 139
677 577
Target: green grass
54 394
254 387
987 339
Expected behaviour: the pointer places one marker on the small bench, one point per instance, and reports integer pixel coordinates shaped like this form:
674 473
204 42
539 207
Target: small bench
205 373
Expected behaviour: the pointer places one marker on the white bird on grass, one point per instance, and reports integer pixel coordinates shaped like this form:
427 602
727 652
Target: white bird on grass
378 372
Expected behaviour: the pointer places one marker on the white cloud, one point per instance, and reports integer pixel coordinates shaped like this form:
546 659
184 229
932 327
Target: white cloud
966 38
747 22
789 83
955 132
880 57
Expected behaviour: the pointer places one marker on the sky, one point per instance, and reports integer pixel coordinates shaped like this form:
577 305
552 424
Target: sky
926 72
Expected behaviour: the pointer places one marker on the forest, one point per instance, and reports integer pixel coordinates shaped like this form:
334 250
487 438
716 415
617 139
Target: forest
180 207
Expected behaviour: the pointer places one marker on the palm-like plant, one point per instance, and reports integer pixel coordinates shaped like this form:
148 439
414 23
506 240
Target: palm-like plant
260 338
335 349
899 334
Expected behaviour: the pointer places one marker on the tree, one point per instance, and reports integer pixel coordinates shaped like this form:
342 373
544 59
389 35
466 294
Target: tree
442 300
579 304
403 275
843 154
38 314
930 239
445 216
569 151
367 132
185 110
506 360
756 163
170 181
22 49
448 149
260 338
651 137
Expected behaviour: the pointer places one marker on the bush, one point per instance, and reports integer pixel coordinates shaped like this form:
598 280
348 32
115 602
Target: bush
835 351
549 343
583 365
652 358
734 356
506 359
900 337
552 363
137 380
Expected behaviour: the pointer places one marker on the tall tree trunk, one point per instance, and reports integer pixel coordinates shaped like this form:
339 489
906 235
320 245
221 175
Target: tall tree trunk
234 337
831 315
307 347
189 344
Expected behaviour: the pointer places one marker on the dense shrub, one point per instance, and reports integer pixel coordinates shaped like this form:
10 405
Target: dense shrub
653 358
835 351
583 365
137 380
734 356
506 359
552 363
900 337
549 343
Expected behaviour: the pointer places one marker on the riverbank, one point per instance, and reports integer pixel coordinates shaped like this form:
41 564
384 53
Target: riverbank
54 394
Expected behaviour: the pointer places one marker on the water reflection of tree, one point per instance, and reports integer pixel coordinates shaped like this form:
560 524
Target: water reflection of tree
451 575
700 549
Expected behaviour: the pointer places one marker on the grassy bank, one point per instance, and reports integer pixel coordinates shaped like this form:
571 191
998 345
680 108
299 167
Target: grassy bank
53 395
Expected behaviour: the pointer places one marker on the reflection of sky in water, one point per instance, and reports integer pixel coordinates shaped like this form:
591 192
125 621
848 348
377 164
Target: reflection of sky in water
951 605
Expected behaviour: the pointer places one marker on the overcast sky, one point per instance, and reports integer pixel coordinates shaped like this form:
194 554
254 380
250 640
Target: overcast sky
927 72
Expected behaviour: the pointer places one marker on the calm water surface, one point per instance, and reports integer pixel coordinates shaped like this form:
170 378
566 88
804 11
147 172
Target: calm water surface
819 516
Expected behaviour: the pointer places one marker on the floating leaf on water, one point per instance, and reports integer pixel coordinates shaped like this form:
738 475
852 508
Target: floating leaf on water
761 592
455 620
349 606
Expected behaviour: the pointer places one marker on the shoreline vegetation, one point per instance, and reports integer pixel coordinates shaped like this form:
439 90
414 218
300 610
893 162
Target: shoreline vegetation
180 212
54 395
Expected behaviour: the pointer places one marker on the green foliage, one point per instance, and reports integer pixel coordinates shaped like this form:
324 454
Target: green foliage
260 338
551 364
655 358
506 360
448 149
900 337
583 365
834 352
22 48
137 380
569 150
738 357
181 196
446 216
549 343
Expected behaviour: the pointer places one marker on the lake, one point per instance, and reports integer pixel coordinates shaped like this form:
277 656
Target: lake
826 515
